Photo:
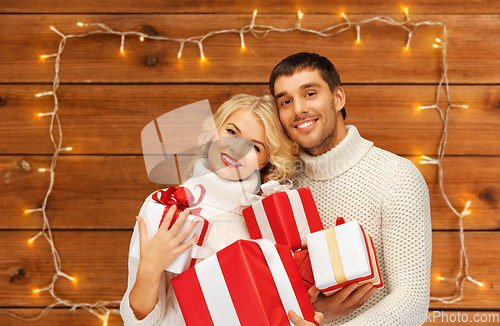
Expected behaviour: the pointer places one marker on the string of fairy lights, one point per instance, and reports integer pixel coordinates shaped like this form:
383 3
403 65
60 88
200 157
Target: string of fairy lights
102 309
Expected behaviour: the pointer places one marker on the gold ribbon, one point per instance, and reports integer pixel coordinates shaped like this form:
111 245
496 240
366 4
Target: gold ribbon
333 249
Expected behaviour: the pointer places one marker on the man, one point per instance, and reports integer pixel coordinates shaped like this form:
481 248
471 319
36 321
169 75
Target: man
350 177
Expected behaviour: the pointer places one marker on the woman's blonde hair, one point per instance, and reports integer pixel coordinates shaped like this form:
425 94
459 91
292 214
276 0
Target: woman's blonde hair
281 154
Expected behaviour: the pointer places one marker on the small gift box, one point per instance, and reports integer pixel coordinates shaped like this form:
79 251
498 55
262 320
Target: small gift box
155 213
342 255
246 283
284 217
303 262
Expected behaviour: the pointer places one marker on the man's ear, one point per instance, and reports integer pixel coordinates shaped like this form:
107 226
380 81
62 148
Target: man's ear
339 98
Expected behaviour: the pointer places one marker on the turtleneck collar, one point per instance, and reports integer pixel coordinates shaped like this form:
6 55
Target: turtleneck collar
223 193
337 160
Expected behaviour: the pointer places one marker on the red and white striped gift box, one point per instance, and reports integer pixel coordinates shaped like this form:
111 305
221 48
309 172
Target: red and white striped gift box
247 283
284 218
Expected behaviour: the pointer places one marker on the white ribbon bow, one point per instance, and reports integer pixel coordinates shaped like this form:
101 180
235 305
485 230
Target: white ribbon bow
268 188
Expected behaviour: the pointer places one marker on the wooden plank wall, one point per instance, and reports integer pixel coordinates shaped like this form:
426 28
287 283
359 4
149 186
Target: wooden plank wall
106 99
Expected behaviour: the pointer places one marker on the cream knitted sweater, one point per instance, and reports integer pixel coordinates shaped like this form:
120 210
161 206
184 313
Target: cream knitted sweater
388 196
222 207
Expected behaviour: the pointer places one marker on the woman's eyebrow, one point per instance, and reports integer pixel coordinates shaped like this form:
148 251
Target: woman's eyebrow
235 127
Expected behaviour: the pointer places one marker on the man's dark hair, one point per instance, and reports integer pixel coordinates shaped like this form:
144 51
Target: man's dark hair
310 61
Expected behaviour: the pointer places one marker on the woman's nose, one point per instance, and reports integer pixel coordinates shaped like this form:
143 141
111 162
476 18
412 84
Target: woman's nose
237 146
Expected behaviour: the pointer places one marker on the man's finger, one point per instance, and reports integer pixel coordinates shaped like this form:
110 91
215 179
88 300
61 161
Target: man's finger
357 295
362 300
294 318
313 293
345 292
318 317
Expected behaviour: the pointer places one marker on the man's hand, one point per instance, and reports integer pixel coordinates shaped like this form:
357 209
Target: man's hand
343 302
299 321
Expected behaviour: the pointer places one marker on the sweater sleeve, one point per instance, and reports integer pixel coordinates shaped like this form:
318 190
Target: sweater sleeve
407 250
158 313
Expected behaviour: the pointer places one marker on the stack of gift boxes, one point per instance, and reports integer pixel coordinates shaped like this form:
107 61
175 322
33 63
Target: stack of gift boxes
257 282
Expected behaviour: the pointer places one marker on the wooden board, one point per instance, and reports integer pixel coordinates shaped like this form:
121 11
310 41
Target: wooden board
108 119
24 38
106 192
98 260
82 318
273 6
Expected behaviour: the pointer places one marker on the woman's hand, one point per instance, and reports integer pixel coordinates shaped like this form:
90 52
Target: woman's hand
299 321
157 253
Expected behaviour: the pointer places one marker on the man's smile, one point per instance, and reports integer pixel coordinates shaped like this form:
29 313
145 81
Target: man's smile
305 125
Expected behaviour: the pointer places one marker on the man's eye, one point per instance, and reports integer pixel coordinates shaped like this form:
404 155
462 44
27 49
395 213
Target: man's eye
285 102
231 132
310 94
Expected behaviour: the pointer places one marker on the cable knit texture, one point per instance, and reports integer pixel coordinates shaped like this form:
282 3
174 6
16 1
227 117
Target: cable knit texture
222 207
388 196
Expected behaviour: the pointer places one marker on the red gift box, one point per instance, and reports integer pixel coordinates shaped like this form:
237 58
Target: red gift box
284 218
303 263
247 283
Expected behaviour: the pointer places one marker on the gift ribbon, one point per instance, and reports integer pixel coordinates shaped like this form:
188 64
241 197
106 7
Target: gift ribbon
182 198
268 188
333 249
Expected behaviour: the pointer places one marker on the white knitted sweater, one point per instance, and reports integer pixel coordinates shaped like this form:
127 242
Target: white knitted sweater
388 196
222 207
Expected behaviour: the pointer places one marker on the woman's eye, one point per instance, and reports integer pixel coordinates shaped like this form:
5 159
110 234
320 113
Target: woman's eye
231 132
257 149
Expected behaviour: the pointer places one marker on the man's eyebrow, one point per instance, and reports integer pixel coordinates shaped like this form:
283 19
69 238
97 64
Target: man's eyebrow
309 85
280 95
235 127
305 86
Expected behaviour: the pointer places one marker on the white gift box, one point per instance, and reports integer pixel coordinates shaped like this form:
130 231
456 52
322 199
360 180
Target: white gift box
152 217
342 255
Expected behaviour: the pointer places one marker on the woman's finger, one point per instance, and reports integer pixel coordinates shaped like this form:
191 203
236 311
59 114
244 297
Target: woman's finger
179 222
189 228
185 246
168 219
143 230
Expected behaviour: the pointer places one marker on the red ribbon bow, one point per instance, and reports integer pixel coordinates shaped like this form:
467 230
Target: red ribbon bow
182 198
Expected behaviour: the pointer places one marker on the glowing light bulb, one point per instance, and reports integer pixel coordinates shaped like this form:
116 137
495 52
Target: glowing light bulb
255 12
35 291
80 24
342 15
43 57
178 55
438 40
439 278
405 10
72 279
481 284
42 170
300 14
203 58
142 38
435 46
407 49
69 148
30 241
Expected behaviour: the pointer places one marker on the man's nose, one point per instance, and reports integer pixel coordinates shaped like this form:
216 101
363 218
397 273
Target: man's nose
300 107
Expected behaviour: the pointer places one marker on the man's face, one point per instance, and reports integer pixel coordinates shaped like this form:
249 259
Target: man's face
308 110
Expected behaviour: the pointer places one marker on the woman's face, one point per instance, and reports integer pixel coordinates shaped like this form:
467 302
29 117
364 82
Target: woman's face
239 146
